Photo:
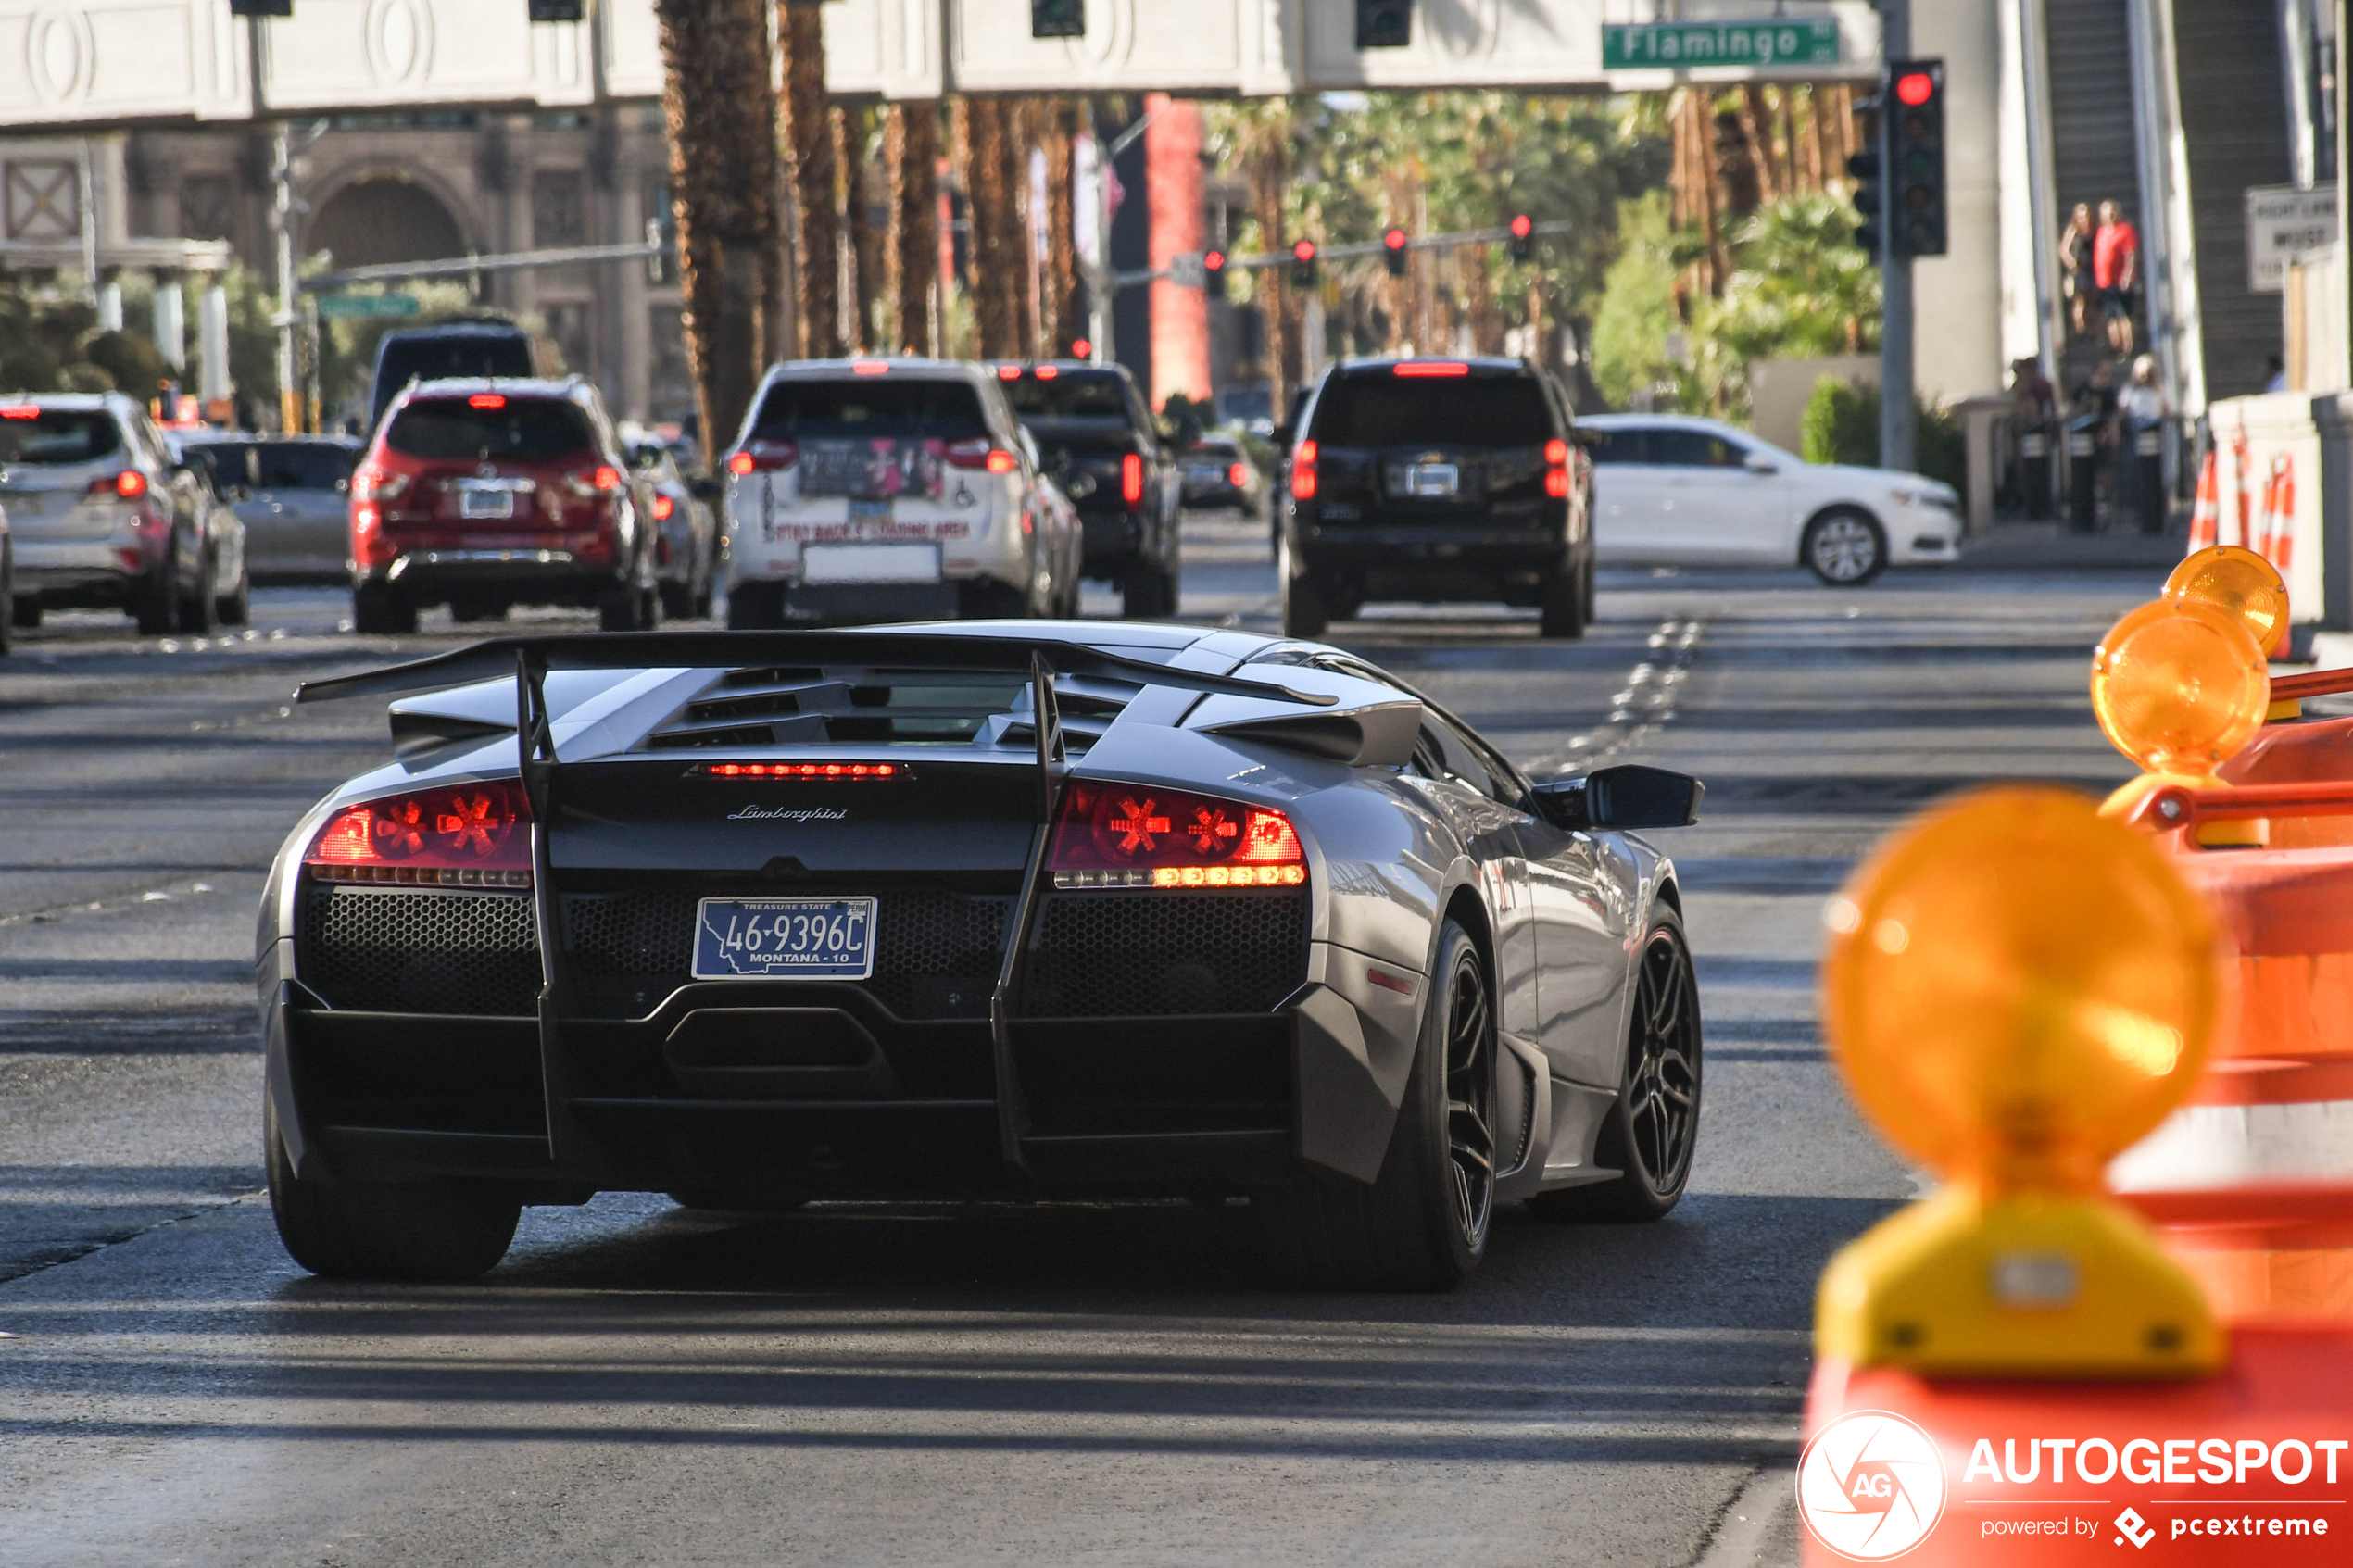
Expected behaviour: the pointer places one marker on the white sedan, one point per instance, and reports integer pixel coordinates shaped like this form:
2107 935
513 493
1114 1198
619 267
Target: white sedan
1672 489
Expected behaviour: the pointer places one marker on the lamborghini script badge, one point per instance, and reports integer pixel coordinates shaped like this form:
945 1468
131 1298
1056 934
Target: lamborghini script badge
787 814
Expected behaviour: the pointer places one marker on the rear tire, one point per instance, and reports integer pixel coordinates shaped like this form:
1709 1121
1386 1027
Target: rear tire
1563 605
678 600
446 1230
199 612
755 606
25 614
1305 611
632 608
235 606
157 610
1652 1132
1147 591
1423 1224
377 611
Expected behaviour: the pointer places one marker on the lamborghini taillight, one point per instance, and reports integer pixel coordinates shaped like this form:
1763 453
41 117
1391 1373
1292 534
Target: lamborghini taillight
458 835
1139 835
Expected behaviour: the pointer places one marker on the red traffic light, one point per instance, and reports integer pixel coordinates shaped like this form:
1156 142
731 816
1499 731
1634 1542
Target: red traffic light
1394 239
1080 348
1915 88
1522 226
1213 261
1304 250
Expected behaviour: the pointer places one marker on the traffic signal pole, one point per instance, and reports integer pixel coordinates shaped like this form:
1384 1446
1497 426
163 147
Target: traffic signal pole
1898 435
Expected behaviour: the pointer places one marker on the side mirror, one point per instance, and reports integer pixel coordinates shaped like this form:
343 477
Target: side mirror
1628 796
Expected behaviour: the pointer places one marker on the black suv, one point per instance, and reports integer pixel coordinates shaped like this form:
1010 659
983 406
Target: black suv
471 345
1437 480
1099 442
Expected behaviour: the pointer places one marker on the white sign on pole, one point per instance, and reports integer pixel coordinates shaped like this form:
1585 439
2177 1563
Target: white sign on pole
2281 221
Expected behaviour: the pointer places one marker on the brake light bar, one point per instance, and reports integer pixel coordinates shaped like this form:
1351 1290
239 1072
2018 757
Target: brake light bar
1431 367
824 770
870 368
486 400
474 835
21 411
1138 836
1048 373
1009 373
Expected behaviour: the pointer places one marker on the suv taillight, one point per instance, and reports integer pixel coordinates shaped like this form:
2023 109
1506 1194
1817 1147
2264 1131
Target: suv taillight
127 486
1140 835
1303 472
1556 469
461 835
370 482
763 456
979 454
1131 479
602 480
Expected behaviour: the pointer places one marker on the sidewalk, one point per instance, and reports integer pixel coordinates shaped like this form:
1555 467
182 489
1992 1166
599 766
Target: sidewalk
2048 546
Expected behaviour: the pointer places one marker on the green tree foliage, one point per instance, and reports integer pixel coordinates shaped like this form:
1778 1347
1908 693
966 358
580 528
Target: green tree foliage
1841 425
1636 322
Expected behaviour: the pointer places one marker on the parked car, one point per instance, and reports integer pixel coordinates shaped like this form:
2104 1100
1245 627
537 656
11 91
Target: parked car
483 346
1218 472
294 495
890 490
233 581
1435 482
1673 490
103 516
1102 445
685 533
485 495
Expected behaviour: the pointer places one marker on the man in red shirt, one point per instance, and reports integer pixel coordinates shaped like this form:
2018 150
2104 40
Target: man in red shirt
2116 273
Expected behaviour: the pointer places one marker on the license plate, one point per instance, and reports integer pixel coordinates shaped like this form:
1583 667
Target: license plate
861 510
784 940
485 503
1433 479
870 563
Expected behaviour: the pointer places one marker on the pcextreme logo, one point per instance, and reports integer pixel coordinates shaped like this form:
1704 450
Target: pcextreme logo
1870 1486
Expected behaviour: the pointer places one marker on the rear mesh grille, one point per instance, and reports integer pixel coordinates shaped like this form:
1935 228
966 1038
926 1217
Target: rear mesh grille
390 950
1136 954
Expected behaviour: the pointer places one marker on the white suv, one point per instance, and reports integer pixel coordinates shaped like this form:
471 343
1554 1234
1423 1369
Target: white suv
863 490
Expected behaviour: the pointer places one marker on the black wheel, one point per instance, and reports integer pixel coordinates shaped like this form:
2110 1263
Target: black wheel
467 612
1588 577
678 600
446 1230
1844 548
630 608
1423 1224
157 610
377 611
1147 591
235 606
1563 606
1650 1134
199 612
755 606
25 614
1305 611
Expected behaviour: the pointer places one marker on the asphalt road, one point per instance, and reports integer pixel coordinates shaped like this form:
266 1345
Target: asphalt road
982 1384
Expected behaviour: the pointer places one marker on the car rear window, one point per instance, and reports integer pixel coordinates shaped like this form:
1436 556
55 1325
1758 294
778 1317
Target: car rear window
524 431
1386 410
450 356
58 436
898 410
1069 396
291 465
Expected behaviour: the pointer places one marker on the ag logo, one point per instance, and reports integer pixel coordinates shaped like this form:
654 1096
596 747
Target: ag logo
2137 1530
1870 1486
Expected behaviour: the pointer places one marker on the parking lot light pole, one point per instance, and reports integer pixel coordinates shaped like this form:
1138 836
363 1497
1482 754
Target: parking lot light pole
1897 430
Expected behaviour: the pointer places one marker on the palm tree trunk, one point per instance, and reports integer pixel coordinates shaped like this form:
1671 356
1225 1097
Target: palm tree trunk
911 150
997 272
868 229
808 132
1269 173
721 120
1756 131
1062 312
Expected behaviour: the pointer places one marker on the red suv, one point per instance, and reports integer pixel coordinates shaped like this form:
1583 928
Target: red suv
482 495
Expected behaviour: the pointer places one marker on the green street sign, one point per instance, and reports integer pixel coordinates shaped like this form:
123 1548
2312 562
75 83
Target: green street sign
1693 45
351 304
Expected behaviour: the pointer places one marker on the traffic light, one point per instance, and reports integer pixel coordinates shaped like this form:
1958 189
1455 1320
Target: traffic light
1523 240
1057 19
559 10
1384 24
261 8
1393 252
1302 265
1863 167
1916 156
1212 273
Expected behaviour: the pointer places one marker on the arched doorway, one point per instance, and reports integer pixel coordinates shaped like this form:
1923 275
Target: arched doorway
384 218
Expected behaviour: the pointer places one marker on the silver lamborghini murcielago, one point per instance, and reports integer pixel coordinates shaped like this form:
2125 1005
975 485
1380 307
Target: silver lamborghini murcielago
997 908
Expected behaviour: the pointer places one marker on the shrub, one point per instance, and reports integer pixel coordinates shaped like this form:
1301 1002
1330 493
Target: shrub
1841 425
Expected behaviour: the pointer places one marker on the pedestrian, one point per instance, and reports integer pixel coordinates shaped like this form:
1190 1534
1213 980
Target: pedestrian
2075 266
2091 442
2034 406
2116 273
2143 412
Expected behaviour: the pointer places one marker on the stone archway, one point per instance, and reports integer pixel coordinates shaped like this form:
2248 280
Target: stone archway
384 218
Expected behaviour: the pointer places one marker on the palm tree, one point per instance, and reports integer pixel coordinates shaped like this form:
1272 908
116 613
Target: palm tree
721 120
997 279
1061 308
867 236
800 31
910 150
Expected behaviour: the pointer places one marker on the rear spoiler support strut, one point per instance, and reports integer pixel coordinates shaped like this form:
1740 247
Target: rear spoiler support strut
1012 1105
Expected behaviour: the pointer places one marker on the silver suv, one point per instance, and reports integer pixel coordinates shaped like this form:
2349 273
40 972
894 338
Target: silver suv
103 517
